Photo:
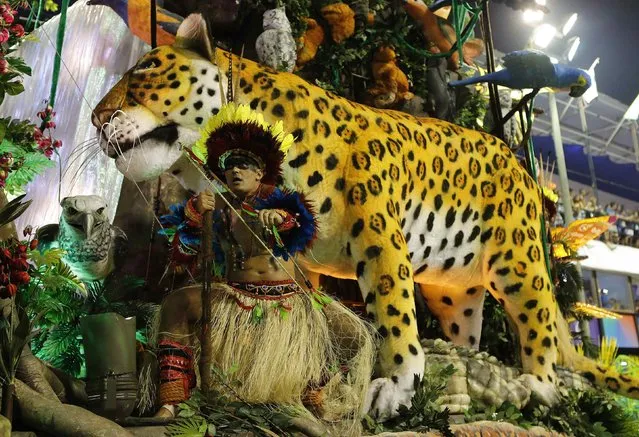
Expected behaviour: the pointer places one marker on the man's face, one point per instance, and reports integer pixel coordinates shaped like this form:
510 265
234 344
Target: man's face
242 176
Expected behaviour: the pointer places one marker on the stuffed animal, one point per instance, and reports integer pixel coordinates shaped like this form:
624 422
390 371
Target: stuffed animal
309 42
391 84
275 46
433 33
341 19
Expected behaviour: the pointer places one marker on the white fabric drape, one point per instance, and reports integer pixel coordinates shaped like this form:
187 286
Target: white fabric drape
98 49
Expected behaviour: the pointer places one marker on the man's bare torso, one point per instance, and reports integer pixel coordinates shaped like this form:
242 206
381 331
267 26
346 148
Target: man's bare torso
258 264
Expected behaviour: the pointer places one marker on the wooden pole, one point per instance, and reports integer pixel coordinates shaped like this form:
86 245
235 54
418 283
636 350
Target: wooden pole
207 260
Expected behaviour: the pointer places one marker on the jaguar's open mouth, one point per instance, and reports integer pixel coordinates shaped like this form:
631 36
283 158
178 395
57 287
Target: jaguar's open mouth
167 134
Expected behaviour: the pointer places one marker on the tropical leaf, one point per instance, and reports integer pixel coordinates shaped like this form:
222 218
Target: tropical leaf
13 210
194 426
60 275
47 257
60 338
34 164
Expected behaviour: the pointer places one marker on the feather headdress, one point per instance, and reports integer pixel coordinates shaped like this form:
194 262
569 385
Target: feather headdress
238 130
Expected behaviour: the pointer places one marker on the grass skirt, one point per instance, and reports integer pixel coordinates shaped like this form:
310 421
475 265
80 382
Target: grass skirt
296 348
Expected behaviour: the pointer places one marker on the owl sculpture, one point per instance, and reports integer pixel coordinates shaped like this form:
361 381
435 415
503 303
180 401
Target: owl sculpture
276 46
93 247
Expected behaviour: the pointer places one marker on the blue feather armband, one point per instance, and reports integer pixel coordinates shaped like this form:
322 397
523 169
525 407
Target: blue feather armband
300 236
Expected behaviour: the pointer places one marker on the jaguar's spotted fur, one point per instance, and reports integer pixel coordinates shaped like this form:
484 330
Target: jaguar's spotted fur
399 199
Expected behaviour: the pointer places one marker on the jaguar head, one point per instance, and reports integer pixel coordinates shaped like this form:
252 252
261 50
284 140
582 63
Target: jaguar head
160 104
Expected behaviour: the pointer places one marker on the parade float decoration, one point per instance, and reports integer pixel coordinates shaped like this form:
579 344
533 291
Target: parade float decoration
399 199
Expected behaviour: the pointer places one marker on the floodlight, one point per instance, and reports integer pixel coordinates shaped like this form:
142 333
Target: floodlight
532 16
554 60
591 93
543 35
569 24
573 48
633 111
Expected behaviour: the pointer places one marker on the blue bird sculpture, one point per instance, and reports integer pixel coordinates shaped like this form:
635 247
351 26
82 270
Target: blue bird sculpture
533 69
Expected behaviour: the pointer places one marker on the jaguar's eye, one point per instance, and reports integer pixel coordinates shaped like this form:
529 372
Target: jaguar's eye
149 64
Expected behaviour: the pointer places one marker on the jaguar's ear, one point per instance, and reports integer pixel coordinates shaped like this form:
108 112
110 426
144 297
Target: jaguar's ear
193 34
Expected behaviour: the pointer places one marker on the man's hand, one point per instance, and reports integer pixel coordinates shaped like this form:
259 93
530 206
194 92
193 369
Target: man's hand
271 217
205 202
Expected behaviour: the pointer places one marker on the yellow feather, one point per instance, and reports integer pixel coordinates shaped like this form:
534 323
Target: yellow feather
234 113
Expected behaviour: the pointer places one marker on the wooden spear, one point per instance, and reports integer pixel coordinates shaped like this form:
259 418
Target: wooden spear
207 262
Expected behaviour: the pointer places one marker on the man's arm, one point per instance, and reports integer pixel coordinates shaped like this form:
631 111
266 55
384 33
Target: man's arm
183 227
292 217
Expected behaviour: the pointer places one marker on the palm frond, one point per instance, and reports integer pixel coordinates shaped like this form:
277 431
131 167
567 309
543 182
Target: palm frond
194 426
46 257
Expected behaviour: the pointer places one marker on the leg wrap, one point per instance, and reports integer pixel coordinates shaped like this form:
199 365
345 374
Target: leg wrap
177 376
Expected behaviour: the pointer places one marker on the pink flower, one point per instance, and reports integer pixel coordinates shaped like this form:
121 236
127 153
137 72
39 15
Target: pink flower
57 144
4 35
7 17
17 30
50 124
4 66
48 153
37 133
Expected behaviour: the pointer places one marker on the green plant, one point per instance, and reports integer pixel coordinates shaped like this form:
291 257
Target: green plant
590 413
506 412
425 412
219 413
586 413
472 112
59 337
497 336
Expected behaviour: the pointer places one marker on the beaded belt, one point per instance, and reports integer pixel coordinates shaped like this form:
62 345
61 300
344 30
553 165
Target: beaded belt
267 290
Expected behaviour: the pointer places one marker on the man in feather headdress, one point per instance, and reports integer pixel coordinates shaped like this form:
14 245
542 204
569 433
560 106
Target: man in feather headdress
281 339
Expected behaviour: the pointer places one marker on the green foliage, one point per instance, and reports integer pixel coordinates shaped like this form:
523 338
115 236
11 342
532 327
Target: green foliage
497 336
590 413
630 406
506 412
16 138
221 414
59 338
425 412
569 283
587 413
472 112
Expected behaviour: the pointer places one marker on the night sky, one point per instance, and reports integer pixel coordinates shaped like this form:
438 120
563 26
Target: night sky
609 29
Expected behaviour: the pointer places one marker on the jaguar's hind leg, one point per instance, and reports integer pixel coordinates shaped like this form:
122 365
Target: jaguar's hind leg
459 311
516 276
